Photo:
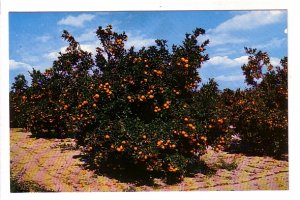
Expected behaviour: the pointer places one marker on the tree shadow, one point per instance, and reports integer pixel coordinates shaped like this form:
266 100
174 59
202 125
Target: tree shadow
137 175
122 171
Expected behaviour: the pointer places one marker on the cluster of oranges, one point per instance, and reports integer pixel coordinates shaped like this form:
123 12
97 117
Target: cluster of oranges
189 124
184 62
130 99
150 94
177 92
119 41
158 72
167 104
142 97
220 145
167 144
191 85
157 109
137 60
120 148
172 168
106 87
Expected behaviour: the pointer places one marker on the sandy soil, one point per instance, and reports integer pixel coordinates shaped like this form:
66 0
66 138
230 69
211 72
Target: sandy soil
51 164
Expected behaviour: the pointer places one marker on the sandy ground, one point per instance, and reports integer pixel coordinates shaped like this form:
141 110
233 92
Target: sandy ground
48 163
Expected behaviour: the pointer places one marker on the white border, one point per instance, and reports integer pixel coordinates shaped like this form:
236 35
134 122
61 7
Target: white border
131 5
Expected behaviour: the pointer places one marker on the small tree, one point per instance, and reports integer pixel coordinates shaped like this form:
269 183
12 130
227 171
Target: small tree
260 113
18 98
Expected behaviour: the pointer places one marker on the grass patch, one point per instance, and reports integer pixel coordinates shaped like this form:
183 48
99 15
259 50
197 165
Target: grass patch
18 187
222 164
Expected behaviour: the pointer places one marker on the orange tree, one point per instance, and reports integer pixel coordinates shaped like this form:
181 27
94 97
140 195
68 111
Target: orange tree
136 109
128 107
18 99
55 92
260 113
212 115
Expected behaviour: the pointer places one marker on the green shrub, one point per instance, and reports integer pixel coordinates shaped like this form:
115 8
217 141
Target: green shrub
260 113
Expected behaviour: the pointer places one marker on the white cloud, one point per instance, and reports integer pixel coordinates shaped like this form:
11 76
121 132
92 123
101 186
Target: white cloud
85 47
224 51
89 48
230 78
226 62
87 36
138 41
216 39
76 21
14 65
274 43
249 21
223 33
51 56
275 61
286 31
44 38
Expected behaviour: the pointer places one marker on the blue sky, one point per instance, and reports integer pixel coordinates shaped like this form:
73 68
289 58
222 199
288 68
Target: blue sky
35 37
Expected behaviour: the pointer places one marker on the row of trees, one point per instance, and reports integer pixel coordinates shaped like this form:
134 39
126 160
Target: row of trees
147 109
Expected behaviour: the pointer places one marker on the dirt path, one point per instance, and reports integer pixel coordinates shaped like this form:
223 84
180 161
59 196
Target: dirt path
43 162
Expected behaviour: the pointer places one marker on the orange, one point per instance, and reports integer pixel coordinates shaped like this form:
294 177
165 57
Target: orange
96 96
220 121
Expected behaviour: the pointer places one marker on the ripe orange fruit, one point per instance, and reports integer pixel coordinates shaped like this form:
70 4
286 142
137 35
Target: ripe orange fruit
96 96
220 121
203 138
66 107
106 136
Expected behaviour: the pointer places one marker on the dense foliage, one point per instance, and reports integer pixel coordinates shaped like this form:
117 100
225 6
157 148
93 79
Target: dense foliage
146 109
260 113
